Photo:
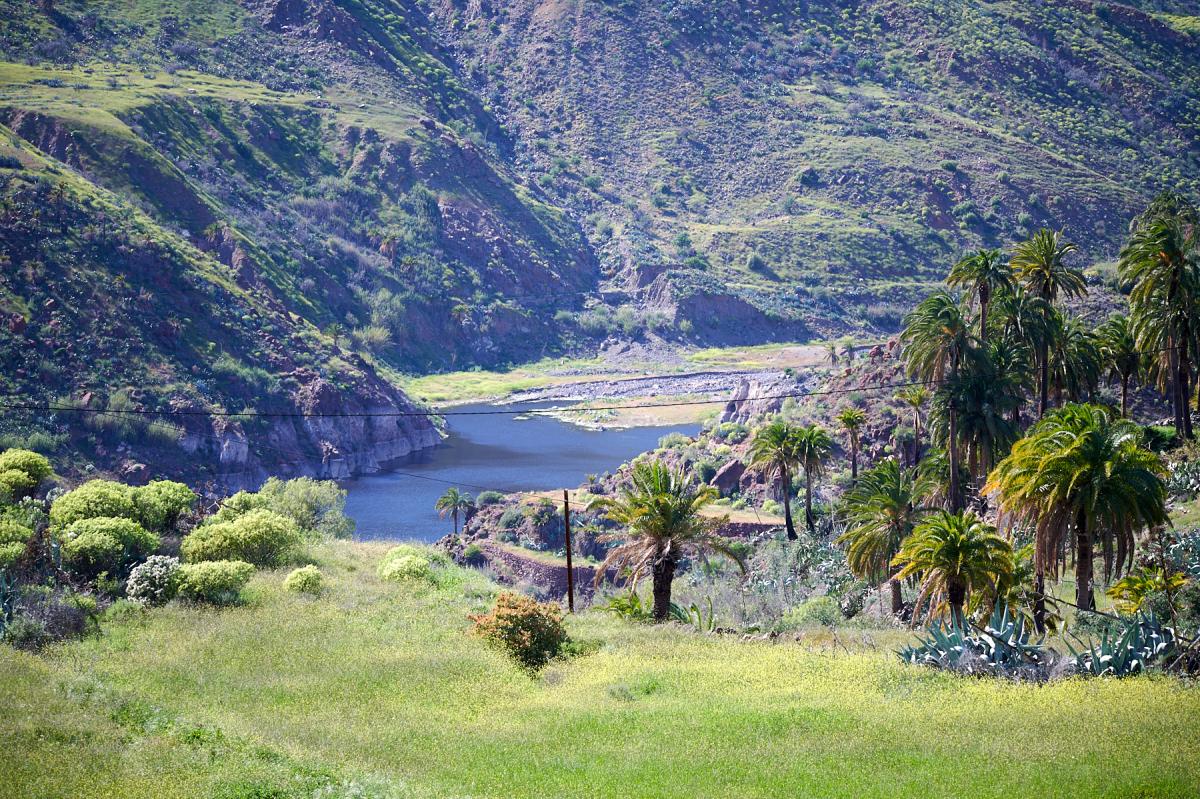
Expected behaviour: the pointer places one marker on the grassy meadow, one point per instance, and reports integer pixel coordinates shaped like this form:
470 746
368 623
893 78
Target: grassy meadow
375 689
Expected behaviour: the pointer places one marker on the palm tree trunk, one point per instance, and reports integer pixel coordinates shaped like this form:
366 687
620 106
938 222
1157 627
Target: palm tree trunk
1124 396
897 597
1043 378
956 595
1185 393
854 459
983 317
1173 368
808 514
1084 596
785 485
952 446
454 516
1039 600
664 575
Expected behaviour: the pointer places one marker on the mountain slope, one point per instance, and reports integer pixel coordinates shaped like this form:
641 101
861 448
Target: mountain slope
357 188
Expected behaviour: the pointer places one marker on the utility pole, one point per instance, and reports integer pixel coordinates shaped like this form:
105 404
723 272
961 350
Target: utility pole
570 567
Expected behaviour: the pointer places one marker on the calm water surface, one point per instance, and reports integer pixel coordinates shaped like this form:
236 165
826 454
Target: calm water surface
501 453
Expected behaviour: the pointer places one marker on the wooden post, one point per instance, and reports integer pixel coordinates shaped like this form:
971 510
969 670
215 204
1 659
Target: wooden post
570 567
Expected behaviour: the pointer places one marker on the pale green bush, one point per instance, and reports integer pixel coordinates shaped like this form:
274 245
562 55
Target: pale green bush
35 466
94 499
219 582
15 484
161 504
305 580
92 546
406 567
261 537
817 610
14 538
316 506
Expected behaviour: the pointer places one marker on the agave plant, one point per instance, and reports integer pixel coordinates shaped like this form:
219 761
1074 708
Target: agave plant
1142 644
693 614
1001 649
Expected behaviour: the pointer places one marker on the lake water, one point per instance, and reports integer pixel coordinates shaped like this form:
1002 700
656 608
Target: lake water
498 453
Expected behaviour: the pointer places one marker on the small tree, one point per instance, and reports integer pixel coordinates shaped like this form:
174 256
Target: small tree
452 503
953 554
660 510
852 420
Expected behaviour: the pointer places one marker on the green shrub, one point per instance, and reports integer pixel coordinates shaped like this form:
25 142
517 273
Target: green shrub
261 537
316 506
15 484
305 580
530 632
92 546
94 499
91 552
406 567
486 498
161 503
14 538
35 466
154 582
821 610
216 581
237 505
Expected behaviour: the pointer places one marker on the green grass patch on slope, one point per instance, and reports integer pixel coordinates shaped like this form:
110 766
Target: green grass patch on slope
380 684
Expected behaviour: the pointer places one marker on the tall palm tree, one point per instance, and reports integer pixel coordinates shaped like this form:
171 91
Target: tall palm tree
915 398
953 555
985 396
882 509
1040 265
852 420
1161 261
773 449
1082 470
936 338
1075 360
660 511
1120 354
452 503
982 274
813 447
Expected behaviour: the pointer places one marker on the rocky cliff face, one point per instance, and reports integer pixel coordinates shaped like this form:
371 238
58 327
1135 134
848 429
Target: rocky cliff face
341 436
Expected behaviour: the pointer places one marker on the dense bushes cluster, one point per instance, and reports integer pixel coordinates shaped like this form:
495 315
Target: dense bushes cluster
66 556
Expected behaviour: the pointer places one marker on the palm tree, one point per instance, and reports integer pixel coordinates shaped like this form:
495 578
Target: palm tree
852 420
1083 470
985 394
1040 265
452 503
1075 359
831 351
936 338
813 446
983 274
953 555
660 509
915 398
1120 353
1161 262
773 449
882 509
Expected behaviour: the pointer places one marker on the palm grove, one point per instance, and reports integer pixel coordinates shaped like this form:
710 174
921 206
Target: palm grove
1017 468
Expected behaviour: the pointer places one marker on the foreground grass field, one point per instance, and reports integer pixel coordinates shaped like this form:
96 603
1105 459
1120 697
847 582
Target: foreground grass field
375 690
